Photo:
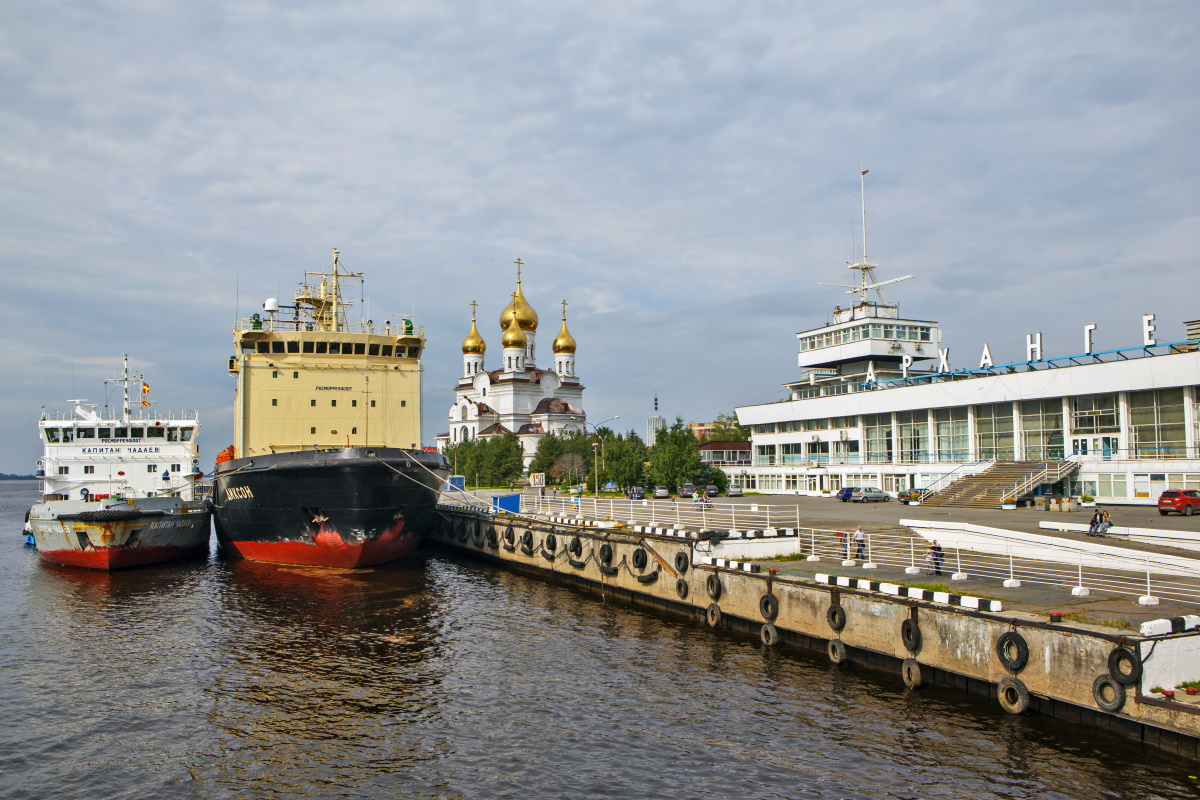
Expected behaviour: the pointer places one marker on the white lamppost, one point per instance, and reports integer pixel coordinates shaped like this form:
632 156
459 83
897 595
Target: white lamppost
596 449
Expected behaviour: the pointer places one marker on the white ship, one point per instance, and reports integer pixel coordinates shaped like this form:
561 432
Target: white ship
119 492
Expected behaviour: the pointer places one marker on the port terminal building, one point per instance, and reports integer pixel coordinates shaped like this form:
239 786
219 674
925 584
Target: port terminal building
878 404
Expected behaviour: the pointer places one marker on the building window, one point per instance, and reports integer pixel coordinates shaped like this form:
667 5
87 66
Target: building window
879 438
1094 413
950 430
88 469
1156 423
913 429
1111 485
1041 429
994 432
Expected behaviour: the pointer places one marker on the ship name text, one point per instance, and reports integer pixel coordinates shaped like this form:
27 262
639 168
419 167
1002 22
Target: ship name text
334 388
239 493
99 450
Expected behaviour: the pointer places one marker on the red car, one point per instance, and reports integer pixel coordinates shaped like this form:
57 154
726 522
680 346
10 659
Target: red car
1185 501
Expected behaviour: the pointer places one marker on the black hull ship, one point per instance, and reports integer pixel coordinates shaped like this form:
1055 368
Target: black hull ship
350 507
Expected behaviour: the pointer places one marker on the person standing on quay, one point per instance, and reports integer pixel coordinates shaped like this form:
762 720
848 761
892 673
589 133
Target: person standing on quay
938 557
845 544
860 539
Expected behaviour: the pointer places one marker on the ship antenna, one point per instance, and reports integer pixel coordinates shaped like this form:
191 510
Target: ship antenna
863 178
336 296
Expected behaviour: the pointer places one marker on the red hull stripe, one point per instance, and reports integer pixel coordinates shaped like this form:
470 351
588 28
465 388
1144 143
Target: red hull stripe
343 556
110 558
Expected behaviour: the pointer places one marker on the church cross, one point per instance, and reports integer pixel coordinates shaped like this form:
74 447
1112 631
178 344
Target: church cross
473 307
518 263
564 305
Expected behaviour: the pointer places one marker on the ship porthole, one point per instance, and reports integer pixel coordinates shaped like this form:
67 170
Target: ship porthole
370 454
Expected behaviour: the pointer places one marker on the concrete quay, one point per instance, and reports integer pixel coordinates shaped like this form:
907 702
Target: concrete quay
1090 674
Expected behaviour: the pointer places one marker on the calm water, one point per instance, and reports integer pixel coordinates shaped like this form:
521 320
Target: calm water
441 677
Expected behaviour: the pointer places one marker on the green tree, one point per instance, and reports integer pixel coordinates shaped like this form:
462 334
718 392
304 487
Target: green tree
625 458
549 449
675 457
507 459
726 428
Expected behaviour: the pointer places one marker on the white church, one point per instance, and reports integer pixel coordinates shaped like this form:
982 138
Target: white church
518 397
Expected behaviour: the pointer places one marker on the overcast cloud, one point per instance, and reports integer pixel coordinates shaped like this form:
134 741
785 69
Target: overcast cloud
684 174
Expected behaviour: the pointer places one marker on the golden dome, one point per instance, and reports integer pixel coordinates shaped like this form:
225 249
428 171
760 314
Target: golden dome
474 342
527 318
564 342
513 335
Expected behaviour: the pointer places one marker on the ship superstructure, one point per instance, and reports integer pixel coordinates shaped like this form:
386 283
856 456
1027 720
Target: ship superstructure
326 467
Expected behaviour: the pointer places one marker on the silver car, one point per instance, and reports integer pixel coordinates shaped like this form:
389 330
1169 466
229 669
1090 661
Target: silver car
869 494
733 491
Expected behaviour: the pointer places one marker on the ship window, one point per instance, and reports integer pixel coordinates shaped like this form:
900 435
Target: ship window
274 401
185 434
64 470
152 468
387 350
293 346
312 402
88 469
52 435
172 434
354 404
354 430
120 433
402 403
308 347
156 432
413 352
264 347
312 430
174 468
85 433
373 350
322 347
360 348
295 374
68 435
274 373
137 433
247 345
372 404
335 347
333 403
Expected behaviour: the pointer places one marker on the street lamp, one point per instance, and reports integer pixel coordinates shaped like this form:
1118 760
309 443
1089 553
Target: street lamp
596 449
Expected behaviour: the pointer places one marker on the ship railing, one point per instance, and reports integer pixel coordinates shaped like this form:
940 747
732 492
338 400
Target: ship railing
990 555
403 328
135 415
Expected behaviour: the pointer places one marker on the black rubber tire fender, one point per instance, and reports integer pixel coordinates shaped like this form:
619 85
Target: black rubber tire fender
640 559
712 585
836 617
910 673
768 606
1119 659
1102 688
576 546
509 535
713 615
910 635
606 554
681 588
527 539
1013 696
1012 650
682 562
836 650
769 634
550 543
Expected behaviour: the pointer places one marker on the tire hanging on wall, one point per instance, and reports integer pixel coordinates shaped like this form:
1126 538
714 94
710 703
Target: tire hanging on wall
910 673
550 543
639 558
712 615
1108 693
1125 666
910 635
836 651
576 546
712 585
681 588
606 554
1013 696
769 634
836 617
1013 651
768 606
682 562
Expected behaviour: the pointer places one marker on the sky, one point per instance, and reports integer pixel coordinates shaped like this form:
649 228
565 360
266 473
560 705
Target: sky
684 174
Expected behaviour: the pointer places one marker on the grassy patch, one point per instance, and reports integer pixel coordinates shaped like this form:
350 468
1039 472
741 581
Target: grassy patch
1110 623
789 557
933 587
1190 685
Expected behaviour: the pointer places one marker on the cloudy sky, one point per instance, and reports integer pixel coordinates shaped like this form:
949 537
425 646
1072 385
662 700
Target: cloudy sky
684 174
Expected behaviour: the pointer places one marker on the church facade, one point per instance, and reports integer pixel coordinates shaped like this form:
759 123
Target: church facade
518 396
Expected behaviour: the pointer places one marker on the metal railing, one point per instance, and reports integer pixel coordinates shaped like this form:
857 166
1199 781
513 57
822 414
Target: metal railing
1135 574
281 325
1048 472
952 477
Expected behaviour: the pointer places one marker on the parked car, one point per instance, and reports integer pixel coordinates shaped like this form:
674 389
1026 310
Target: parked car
661 491
846 492
637 493
687 490
712 491
733 491
869 494
1185 501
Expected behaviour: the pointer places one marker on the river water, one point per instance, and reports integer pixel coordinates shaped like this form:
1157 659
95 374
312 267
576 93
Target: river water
444 677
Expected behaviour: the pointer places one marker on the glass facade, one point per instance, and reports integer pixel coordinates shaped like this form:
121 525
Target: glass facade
994 432
1041 429
879 437
1095 413
951 431
913 430
1156 423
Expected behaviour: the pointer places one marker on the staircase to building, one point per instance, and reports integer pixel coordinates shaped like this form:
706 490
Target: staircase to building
983 490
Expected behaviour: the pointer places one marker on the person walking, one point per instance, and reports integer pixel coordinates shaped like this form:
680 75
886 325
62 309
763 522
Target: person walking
938 557
845 545
860 539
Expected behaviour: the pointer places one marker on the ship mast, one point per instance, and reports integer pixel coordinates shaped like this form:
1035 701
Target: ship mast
124 381
324 302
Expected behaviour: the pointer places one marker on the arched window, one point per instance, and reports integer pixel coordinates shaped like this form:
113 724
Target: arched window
462 413
465 433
